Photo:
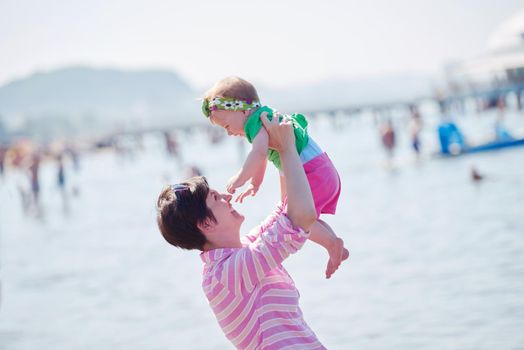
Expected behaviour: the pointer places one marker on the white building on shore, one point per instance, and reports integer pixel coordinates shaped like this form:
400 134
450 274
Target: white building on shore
499 71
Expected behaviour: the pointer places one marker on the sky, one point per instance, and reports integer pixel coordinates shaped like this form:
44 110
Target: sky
274 42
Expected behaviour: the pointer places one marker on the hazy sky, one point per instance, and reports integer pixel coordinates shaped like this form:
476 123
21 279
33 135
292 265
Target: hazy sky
275 42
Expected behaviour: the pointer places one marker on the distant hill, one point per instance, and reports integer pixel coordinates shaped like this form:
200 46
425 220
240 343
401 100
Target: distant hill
80 100
99 98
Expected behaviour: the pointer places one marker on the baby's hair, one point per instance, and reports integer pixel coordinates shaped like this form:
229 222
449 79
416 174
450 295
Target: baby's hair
233 87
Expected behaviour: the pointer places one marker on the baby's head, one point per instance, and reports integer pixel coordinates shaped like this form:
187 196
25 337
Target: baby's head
229 103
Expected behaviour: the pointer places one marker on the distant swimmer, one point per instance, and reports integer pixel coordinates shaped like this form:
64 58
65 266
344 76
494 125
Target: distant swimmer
3 152
415 128
475 175
34 169
388 138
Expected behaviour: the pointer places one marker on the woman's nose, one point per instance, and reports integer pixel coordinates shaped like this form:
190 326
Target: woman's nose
227 197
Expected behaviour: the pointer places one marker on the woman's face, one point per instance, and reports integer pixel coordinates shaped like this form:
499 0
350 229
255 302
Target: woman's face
227 228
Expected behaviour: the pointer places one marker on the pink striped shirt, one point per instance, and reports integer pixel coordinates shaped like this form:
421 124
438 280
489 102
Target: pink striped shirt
253 297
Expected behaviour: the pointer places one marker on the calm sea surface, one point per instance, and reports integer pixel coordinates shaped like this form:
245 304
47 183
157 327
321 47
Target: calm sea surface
437 261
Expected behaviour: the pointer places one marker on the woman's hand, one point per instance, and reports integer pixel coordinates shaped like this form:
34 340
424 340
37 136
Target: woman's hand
281 135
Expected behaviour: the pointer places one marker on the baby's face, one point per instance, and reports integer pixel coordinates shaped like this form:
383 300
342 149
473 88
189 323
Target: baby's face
232 121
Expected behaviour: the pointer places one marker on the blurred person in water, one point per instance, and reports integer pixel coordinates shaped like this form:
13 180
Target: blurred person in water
233 104
34 176
251 294
415 128
3 152
387 136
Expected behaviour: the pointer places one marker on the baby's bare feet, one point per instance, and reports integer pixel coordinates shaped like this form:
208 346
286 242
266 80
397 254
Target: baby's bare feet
337 254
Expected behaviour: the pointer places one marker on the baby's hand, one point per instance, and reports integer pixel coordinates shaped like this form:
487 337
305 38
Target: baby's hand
251 190
233 184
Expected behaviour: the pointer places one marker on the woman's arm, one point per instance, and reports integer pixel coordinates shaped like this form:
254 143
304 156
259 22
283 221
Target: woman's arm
282 187
300 206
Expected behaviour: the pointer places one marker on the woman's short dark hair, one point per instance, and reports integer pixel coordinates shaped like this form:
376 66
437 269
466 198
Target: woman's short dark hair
178 214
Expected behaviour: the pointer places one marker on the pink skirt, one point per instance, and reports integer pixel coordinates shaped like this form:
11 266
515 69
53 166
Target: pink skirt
324 182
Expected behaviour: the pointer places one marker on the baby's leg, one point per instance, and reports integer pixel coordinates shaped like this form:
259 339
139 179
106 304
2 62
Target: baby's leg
322 234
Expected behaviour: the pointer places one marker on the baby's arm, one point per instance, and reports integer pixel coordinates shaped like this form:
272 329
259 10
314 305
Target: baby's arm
258 177
254 166
256 181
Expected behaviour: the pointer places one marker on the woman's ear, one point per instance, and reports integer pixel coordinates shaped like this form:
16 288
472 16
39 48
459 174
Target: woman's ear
206 226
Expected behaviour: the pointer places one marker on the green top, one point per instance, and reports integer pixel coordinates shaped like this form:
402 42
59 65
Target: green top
253 125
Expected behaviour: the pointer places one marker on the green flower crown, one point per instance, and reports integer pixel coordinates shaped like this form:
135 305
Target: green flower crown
227 103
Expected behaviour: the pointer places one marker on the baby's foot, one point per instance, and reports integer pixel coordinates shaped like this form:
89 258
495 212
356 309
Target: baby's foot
337 254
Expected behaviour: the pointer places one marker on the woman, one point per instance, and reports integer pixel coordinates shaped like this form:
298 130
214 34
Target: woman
253 297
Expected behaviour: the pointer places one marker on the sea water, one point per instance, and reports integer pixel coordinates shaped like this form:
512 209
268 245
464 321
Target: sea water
437 261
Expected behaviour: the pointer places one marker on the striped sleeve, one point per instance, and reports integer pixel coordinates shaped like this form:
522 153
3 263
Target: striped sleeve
247 266
253 235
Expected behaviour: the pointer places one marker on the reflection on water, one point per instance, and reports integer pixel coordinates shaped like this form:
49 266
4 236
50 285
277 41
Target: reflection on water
436 260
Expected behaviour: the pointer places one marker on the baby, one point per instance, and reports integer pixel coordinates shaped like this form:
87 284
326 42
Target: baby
233 104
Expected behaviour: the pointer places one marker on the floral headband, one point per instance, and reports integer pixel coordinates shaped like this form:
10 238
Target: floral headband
227 103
